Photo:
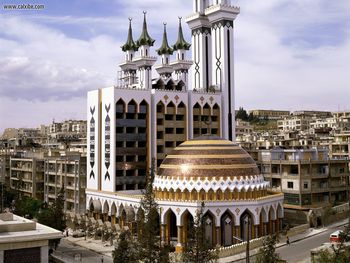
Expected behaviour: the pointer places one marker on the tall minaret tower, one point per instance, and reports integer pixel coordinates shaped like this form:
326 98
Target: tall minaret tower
145 62
212 51
165 70
129 67
221 16
181 65
201 45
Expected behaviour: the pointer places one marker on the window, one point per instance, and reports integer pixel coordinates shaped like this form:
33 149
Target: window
306 185
290 185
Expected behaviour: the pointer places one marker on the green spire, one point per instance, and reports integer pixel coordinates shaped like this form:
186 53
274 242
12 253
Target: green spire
130 44
164 48
145 38
181 42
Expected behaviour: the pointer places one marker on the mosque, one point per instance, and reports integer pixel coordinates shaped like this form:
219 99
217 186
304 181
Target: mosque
188 130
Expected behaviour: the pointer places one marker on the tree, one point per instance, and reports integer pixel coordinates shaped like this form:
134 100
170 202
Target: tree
197 249
53 216
242 114
148 226
267 253
27 207
125 252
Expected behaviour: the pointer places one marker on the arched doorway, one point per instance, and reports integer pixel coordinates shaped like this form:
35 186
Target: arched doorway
209 228
171 229
227 224
187 223
246 223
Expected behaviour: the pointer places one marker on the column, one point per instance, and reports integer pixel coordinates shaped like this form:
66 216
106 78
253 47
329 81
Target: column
256 231
1 256
179 247
238 232
218 235
163 234
265 228
44 254
113 220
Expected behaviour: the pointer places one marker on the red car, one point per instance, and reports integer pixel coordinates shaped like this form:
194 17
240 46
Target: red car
335 236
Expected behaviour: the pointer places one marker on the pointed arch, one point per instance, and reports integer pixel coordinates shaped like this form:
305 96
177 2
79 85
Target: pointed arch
180 86
170 105
171 225
209 228
170 85
105 208
187 221
246 224
279 211
113 209
143 107
132 106
263 216
158 84
160 107
181 105
120 106
227 228
196 106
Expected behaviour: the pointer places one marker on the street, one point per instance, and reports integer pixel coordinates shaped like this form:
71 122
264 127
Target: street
299 252
71 253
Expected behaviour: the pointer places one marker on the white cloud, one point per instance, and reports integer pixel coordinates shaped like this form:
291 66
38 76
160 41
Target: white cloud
290 54
271 73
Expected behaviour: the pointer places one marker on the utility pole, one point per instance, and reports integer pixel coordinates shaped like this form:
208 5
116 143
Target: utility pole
247 221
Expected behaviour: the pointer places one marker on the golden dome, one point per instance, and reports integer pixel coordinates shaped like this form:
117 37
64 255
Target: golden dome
209 169
208 157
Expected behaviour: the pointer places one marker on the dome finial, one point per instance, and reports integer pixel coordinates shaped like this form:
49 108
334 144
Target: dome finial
130 44
145 38
165 48
181 42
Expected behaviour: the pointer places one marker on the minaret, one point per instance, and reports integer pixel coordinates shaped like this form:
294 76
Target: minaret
221 16
201 45
145 62
165 70
129 67
181 65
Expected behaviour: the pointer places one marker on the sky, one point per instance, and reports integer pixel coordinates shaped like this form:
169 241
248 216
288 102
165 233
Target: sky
289 54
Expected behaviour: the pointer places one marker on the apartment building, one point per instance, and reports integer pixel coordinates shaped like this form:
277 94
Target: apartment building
308 178
294 123
27 176
339 147
270 114
69 173
42 175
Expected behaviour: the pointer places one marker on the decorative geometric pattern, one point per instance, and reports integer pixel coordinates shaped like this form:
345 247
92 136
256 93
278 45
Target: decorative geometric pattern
107 141
92 142
237 211
166 97
198 184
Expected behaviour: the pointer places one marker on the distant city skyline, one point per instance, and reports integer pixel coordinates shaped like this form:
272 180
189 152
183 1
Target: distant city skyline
290 54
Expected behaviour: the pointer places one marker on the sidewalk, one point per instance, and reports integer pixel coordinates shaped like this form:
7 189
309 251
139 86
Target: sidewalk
282 242
106 250
92 244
